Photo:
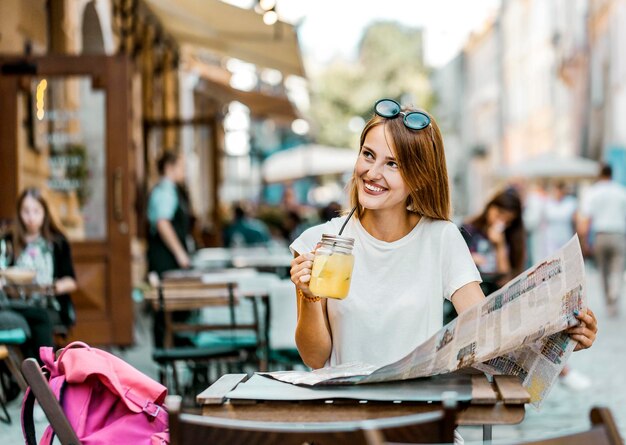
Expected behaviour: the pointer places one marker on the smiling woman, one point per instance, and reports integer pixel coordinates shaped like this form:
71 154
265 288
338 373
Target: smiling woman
379 182
408 256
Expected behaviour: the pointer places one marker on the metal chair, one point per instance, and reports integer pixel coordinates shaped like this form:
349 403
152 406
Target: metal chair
433 427
229 348
10 340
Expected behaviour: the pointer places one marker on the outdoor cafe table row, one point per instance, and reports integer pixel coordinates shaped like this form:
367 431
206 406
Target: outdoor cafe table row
246 283
480 401
276 259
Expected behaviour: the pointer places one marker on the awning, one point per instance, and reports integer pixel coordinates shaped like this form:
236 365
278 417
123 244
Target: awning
232 32
550 165
261 105
307 160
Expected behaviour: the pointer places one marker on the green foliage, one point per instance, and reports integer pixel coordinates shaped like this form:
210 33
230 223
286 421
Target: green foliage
390 64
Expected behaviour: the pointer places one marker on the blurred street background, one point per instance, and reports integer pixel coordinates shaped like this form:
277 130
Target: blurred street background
263 103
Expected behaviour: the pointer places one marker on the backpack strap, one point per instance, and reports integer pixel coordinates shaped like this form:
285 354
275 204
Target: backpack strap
28 403
28 424
152 410
74 344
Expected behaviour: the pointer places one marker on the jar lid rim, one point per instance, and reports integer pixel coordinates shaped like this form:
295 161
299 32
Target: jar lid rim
338 239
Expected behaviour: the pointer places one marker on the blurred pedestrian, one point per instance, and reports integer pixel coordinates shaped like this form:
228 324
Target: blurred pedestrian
330 211
558 224
168 216
39 244
245 230
550 217
559 218
496 240
603 211
192 220
534 222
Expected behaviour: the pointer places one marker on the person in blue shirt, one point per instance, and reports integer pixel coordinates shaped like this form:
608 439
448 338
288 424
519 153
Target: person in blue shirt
168 216
245 230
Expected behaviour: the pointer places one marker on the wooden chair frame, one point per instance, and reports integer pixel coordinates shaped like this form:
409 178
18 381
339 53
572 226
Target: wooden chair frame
10 354
174 294
432 427
603 431
48 402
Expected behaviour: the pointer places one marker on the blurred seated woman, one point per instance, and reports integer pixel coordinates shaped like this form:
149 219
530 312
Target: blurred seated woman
39 245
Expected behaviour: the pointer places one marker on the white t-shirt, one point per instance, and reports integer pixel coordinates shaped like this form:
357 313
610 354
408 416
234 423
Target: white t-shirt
397 289
559 216
605 203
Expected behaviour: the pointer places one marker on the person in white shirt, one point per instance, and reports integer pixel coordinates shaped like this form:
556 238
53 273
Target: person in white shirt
603 212
560 217
409 256
551 218
534 223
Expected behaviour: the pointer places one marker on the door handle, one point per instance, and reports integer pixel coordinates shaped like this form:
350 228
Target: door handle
118 207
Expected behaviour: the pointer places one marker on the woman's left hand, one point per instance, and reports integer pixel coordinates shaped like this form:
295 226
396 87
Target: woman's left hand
585 332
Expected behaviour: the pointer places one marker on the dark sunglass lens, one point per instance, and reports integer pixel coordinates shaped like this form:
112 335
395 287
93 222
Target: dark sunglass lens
387 108
416 120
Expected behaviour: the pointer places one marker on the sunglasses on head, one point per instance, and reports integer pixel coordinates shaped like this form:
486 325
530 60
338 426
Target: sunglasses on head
389 108
413 120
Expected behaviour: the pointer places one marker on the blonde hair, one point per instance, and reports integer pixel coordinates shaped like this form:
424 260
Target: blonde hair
422 164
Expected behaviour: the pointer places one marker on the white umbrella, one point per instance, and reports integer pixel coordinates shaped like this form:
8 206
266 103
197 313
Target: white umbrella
551 165
308 160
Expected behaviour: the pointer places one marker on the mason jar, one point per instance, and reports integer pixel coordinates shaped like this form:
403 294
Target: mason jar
332 267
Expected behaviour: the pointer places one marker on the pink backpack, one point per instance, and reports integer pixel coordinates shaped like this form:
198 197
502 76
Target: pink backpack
105 399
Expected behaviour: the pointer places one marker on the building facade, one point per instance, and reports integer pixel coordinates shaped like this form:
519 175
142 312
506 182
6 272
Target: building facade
540 77
93 91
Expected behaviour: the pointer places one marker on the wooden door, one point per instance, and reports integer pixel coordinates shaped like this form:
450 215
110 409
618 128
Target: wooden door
65 127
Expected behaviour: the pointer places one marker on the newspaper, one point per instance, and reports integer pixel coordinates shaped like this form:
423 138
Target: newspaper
518 330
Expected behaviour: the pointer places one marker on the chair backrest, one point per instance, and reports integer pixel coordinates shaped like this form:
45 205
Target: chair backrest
283 315
179 294
432 427
191 293
48 402
603 431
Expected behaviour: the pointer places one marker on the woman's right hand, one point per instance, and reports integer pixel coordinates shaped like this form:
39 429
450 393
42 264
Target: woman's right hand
495 233
301 267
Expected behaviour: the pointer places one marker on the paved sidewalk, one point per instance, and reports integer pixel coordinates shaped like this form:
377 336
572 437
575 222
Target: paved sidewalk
563 411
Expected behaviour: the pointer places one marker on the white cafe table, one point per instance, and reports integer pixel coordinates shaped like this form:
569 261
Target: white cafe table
211 258
273 258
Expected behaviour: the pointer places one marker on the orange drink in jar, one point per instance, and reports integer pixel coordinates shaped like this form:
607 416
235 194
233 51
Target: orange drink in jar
332 267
